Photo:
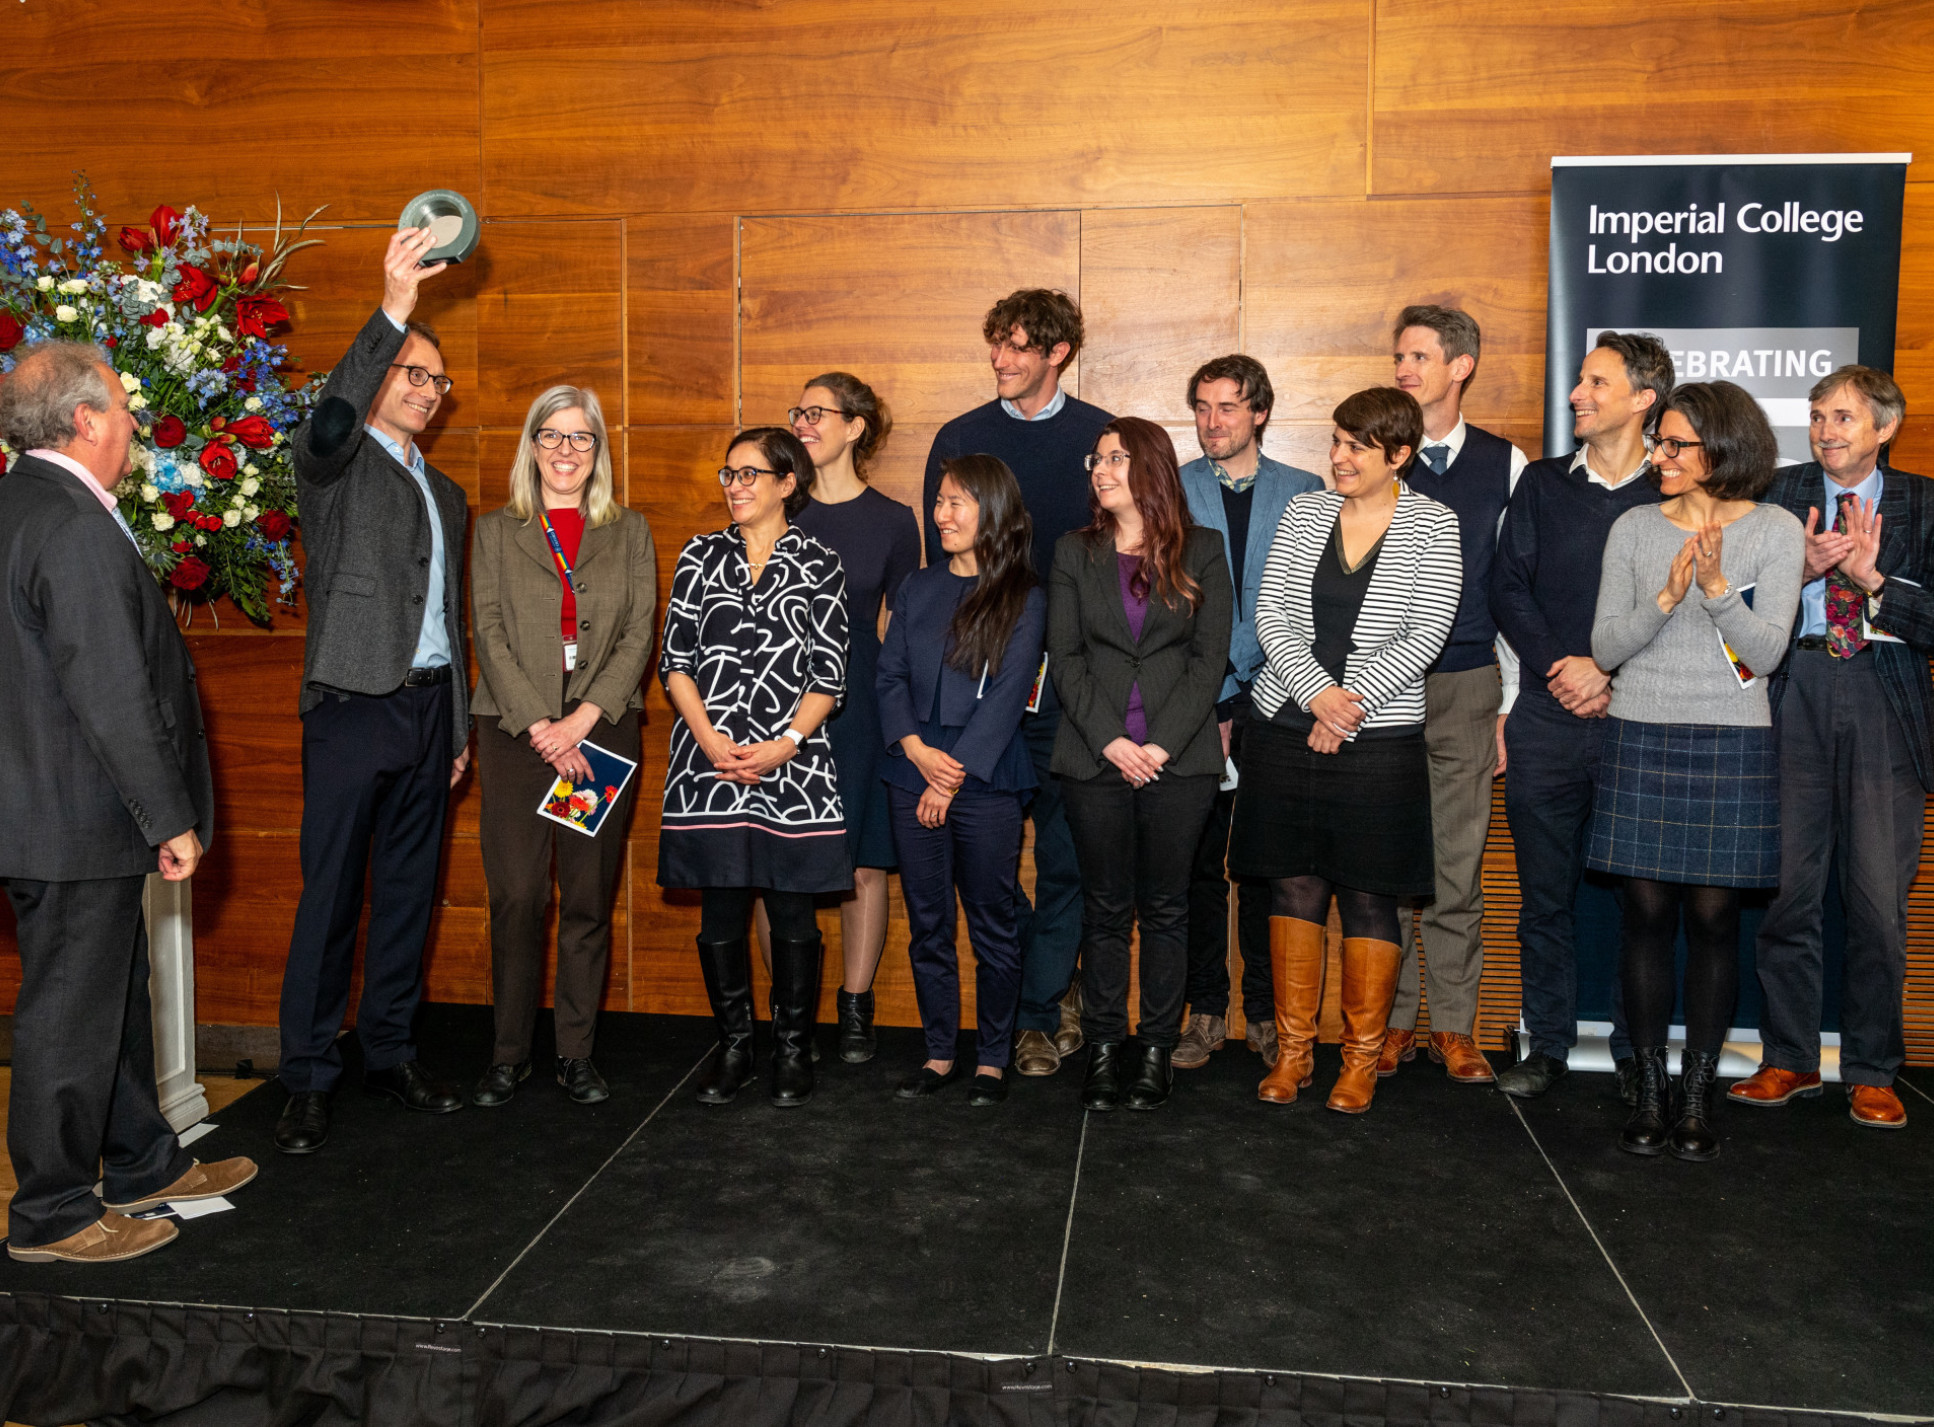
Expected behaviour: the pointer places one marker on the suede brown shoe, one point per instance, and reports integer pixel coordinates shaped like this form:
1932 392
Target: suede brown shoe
1461 1058
1201 1037
1260 1036
1036 1054
1877 1107
1398 1047
202 1181
1769 1085
109 1239
1067 1036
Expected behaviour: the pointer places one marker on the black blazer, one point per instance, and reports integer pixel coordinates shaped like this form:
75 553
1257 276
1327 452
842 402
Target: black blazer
102 755
366 539
1906 610
1179 661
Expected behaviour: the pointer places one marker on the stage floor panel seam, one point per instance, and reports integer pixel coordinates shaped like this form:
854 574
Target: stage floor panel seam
1067 1232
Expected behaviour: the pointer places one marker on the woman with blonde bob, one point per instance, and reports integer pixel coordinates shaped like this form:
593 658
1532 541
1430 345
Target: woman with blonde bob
563 590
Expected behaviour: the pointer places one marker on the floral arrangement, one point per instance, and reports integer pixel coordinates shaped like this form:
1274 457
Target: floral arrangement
185 319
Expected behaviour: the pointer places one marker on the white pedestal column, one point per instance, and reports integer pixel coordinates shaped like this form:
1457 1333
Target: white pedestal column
171 986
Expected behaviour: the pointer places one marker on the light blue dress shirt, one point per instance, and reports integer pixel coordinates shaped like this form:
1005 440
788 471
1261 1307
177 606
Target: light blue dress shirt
1813 595
1053 408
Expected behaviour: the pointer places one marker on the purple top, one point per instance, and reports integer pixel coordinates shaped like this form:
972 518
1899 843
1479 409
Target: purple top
1137 611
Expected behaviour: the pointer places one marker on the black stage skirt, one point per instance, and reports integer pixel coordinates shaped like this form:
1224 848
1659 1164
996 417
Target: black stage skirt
1687 802
1359 817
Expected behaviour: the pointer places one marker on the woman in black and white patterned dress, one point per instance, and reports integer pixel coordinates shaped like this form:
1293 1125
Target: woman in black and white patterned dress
754 661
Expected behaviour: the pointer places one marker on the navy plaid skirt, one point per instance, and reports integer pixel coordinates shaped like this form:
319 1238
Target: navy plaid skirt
1687 802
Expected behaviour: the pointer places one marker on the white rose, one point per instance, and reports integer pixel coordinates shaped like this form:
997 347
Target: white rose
192 475
224 333
130 382
251 485
72 286
161 520
45 284
249 468
231 518
254 403
249 512
155 338
137 402
64 313
150 495
201 539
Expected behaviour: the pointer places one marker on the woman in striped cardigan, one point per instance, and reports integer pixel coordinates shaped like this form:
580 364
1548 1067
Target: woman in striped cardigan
1357 599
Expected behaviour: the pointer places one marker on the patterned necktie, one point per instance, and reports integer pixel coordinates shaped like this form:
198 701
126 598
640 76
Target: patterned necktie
1437 456
1845 603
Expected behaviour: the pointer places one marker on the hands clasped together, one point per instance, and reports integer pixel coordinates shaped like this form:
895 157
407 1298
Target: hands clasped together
744 763
1338 713
556 741
1851 549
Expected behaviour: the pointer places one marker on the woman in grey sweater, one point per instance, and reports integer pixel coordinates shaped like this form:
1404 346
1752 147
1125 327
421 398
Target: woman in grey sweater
1695 608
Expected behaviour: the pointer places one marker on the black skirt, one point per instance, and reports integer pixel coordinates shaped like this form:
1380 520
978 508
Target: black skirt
1359 817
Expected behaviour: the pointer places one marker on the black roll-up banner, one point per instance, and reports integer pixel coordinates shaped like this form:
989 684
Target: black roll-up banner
1766 270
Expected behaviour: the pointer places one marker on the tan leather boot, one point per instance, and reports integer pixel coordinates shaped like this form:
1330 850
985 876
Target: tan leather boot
1369 986
1296 962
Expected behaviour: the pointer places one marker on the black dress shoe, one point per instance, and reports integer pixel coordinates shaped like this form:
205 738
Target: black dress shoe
582 1080
412 1087
1532 1076
987 1090
1150 1077
1101 1087
925 1081
303 1126
857 1042
499 1083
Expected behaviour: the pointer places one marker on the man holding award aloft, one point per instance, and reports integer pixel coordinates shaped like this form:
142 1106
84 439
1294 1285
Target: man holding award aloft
385 717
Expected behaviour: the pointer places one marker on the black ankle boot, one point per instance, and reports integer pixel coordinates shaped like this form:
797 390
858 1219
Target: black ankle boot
1149 1077
1645 1132
795 1003
1101 1088
1692 1136
856 1039
728 984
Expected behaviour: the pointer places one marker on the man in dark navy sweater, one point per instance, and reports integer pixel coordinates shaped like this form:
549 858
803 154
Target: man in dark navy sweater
1473 472
1544 592
1042 434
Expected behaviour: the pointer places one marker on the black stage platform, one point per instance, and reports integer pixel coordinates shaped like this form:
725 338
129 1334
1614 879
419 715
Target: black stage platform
1449 1257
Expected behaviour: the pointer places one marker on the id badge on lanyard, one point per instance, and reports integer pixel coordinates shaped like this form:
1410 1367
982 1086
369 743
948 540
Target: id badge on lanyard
570 580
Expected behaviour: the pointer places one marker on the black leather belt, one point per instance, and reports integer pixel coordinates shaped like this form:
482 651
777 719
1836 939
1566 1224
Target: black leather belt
1811 641
417 678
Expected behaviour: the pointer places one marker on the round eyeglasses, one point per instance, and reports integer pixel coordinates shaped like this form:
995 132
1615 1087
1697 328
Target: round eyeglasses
813 415
743 476
1114 460
1670 447
423 376
550 440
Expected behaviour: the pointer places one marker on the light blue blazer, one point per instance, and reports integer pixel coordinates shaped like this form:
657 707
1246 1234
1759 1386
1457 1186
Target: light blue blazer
1276 484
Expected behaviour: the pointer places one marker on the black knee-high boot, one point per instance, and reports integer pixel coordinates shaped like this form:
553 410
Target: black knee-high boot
728 984
795 1003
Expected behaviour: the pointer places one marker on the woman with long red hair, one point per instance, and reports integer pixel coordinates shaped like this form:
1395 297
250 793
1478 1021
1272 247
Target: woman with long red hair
1139 608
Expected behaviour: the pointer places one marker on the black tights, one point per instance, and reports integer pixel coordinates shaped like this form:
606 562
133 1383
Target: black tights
1307 899
724 913
1652 912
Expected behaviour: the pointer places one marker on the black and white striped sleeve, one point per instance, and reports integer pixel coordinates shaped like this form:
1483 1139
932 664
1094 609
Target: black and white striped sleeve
1407 626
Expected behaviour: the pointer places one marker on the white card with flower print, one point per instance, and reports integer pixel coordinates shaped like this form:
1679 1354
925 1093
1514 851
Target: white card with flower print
583 806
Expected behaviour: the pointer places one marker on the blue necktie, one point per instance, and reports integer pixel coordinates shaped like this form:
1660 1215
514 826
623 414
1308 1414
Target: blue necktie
1437 456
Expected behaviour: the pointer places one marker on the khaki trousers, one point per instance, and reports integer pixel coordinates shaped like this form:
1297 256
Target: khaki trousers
1460 737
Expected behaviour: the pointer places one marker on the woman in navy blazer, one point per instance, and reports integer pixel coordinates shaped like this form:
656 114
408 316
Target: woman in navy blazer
955 676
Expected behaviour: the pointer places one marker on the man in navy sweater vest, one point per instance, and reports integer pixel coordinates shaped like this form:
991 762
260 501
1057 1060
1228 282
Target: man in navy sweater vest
1042 434
1544 593
1473 472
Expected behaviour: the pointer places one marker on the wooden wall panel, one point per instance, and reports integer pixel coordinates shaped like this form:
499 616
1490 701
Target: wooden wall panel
681 311
772 105
1477 99
549 311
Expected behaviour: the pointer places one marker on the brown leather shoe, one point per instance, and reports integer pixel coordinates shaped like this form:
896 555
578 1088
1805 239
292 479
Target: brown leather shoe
1202 1036
1067 1037
1398 1047
1461 1058
1296 958
108 1239
1260 1036
1877 1107
1035 1054
1369 986
1769 1085
202 1181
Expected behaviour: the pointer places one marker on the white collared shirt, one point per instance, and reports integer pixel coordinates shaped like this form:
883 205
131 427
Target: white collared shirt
1581 460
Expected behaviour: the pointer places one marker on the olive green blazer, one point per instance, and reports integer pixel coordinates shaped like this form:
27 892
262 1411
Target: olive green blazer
515 596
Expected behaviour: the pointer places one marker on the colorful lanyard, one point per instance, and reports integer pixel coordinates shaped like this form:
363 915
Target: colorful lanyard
557 549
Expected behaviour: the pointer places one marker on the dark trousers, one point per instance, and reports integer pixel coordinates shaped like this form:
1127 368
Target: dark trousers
83 1104
1550 780
1208 983
1051 926
518 847
977 851
1847 784
375 792
1136 847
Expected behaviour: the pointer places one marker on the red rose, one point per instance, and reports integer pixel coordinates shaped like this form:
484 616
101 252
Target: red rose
178 503
133 240
255 315
197 287
181 547
219 461
274 525
169 432
166 224
253 431
10 331
190 574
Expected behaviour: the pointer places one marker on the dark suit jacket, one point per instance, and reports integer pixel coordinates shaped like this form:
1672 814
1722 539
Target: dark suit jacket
1906 610
912 667
515 596
1178 661
366 538
102 756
